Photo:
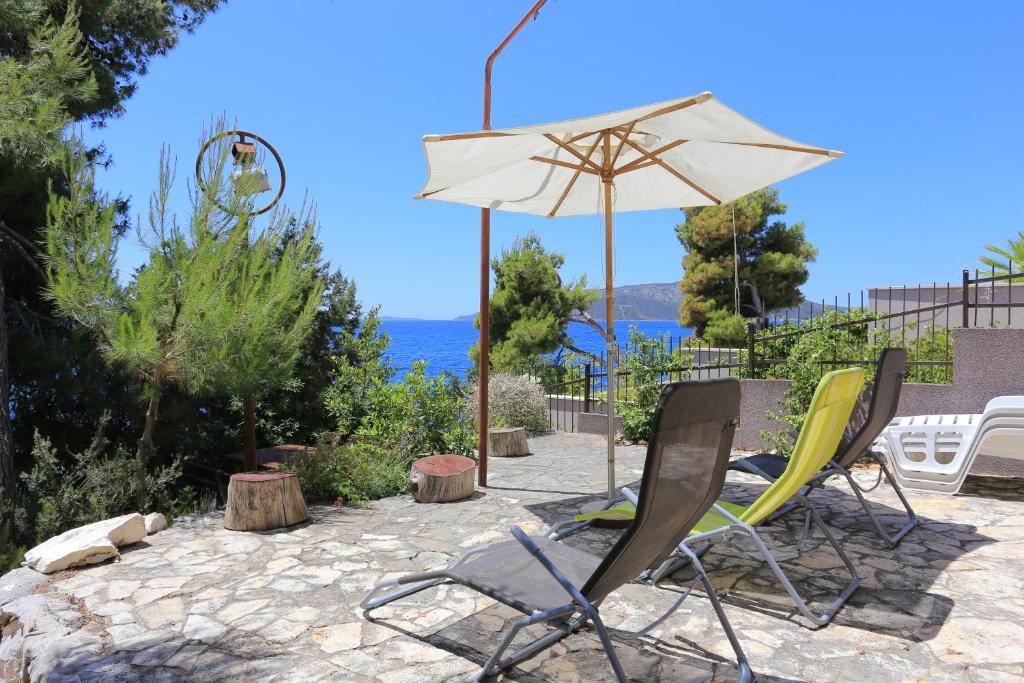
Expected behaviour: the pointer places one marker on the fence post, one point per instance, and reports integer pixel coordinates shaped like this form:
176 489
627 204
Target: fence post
751 362
586 388
966 305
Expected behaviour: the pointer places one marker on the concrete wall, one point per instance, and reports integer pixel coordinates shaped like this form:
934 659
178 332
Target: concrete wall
899 299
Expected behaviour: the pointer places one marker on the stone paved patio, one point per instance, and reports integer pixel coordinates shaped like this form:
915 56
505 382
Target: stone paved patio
200 603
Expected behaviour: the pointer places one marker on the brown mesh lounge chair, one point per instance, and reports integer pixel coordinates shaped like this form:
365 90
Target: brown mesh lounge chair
884 401
556 584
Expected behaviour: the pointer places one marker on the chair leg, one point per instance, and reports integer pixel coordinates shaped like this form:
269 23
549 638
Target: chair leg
609 650
893 540
801 604
420 581
495 665
746 675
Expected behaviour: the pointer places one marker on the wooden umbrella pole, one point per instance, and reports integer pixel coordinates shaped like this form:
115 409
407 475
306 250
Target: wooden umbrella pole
607 177
485 263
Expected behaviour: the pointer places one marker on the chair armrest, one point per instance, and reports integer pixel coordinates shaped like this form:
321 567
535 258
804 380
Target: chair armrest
538 554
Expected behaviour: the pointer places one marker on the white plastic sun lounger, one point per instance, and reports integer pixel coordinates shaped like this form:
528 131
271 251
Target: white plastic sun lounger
935 452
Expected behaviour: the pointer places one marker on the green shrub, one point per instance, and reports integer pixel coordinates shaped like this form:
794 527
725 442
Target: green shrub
807 357
11 520
650 365
419 416
353 472
931 344
725 329
91 485
512 401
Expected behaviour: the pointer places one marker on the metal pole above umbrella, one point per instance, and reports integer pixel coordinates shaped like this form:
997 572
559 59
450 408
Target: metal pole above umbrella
693 151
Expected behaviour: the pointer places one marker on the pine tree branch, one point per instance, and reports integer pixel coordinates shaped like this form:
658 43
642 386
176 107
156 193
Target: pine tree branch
20 243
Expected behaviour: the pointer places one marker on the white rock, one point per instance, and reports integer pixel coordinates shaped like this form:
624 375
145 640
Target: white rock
87 544
155 521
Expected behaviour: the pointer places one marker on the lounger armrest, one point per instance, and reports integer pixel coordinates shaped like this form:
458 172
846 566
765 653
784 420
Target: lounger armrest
538 554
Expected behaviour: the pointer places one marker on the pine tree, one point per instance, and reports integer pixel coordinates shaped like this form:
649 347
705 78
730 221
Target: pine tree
530 308
35 95
772 264
203 304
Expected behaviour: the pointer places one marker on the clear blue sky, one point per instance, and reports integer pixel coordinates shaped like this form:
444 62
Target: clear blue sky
926 98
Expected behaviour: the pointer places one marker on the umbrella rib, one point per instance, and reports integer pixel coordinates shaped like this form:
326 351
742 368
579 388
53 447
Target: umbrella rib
568 148
566 164
640 163
572 181
787 148
465 136
618 150
703 97
673 171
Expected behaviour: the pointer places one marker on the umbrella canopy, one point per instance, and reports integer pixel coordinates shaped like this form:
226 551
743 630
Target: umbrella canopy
689 152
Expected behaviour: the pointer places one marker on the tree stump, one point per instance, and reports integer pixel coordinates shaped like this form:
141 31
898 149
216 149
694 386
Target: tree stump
508 442
258 501
441 478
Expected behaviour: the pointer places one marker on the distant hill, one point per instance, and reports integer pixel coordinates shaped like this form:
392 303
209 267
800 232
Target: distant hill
654 301
661 301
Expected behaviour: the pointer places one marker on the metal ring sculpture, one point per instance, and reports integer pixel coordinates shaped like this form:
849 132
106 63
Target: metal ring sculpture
242 134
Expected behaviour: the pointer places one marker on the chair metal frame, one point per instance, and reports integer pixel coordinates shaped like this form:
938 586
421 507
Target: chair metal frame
739 527
565 619
833 469
579 609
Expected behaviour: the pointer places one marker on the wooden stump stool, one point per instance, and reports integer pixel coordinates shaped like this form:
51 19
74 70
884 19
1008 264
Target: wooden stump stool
507 443
441 478
258 501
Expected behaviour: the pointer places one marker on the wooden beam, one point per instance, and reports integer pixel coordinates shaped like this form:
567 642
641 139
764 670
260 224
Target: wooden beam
618 149
571 150
565 164
789 148
673 171
466 136
572 181
654 153
636 165
703 97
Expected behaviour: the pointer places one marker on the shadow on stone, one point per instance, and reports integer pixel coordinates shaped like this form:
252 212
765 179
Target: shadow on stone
893 598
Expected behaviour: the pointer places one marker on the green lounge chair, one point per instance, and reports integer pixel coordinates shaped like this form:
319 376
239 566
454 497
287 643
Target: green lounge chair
823 427
882 407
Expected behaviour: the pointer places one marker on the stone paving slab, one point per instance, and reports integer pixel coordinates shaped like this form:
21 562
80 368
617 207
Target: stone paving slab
199 603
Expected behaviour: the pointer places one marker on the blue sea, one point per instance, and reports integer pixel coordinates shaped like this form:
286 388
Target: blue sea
445 344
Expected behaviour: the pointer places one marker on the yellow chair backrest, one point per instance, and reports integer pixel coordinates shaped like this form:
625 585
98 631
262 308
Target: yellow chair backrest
819 438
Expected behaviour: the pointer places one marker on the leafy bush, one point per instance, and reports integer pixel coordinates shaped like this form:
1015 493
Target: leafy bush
11 521
93 485
512 401
353 472
357 372
807 357
649 365
725 329
417 416
931 344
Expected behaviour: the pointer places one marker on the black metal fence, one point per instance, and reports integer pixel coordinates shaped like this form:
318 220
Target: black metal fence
920 319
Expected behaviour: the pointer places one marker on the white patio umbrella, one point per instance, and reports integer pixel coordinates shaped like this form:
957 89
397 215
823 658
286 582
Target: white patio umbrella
688 152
